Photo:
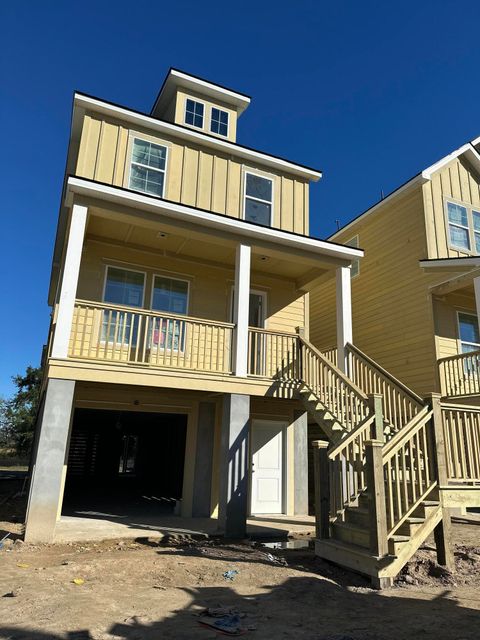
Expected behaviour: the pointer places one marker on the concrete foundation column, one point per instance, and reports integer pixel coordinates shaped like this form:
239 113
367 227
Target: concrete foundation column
202 485
233 489
49 465
300 463
344 315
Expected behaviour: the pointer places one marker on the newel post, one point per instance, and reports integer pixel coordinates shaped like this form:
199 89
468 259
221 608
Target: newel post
375 402
322 489
301 336
376 490
442 532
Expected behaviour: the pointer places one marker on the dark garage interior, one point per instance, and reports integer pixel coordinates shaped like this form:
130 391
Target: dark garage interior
124 464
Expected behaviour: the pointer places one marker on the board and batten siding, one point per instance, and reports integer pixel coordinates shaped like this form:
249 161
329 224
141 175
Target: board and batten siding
391 304
196 177
458 181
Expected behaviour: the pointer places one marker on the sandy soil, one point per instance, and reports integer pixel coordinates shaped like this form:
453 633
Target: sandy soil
145 590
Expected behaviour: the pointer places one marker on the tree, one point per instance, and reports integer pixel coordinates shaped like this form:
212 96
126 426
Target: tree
18 414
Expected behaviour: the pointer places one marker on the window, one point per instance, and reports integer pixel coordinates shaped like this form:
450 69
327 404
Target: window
170 295
463 227
468 332
147 170
355 268
123 287
219 122
258 199
194 113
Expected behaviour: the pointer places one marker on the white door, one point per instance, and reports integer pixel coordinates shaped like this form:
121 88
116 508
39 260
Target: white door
267 466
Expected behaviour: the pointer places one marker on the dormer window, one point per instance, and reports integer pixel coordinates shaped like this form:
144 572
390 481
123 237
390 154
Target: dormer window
258 199
194 112
219 122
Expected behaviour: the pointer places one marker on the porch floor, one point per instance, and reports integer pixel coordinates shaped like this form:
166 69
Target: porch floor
104 527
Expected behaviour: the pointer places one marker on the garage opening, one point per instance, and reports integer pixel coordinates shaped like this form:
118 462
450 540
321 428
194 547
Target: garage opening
125 465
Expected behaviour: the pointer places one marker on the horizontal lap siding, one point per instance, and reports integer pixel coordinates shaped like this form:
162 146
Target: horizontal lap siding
459 181
446 324
392 311
195 176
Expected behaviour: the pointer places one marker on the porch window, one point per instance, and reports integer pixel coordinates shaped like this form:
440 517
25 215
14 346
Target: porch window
147 169
258 199
468 332
170 295
194 113
463 227
124 287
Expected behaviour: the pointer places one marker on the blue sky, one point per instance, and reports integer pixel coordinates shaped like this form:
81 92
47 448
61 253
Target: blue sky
370 92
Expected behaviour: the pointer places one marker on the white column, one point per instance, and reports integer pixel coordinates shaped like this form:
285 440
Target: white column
344 315
476 287
68 289
241 302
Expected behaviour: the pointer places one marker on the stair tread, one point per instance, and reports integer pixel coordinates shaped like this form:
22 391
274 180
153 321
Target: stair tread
415 520
353 526
399 538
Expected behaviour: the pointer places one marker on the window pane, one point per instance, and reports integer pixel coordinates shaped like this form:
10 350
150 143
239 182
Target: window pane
477 243
124 287
148 153
259 187
468 328
219 122
459 237
258 212
170 295
457 214
476 220
140 151
194 113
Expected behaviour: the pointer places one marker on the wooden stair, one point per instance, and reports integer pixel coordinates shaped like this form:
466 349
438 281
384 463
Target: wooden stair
322 415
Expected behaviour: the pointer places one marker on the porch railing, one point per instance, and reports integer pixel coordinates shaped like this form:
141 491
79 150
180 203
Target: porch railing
124 335
273 354
460 374
461 431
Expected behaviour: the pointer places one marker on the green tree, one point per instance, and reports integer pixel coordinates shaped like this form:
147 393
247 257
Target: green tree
18 414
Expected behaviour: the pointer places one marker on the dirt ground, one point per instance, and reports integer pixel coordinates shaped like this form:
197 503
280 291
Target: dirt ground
146 590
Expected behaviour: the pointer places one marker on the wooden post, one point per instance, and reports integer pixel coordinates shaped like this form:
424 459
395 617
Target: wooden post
322 489
375 402
442 532
376 490
301 336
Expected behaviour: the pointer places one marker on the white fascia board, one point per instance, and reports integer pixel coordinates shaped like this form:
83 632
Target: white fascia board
252 232
453 263
138 119
475 142
467 149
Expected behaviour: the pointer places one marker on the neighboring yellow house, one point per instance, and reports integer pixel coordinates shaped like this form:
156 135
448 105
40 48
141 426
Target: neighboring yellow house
416 293
180 277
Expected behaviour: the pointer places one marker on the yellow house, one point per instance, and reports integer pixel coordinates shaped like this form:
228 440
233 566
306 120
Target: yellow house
179 295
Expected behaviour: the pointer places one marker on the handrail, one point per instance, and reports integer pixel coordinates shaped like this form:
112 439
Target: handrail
461 433
460 374
350 437
459 356
272 332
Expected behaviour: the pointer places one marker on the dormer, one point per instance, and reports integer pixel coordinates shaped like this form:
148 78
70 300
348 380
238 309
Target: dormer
200 105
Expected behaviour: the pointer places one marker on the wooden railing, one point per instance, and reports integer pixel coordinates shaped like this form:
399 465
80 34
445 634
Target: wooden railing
460 374
334 390
273 354
409 469
331 354
461 432
400 404
125 335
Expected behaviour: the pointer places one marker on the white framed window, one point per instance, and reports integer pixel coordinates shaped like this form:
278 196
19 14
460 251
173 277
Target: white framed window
355 268
258 199
172 296
219 122
124 287
468 332
147 167
194 113
463 227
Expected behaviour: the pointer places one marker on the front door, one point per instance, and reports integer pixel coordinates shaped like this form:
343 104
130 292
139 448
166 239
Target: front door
267 466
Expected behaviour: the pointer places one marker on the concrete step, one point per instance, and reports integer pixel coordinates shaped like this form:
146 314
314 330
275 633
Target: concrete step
351 534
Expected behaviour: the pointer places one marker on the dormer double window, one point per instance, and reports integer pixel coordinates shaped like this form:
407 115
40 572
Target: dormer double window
196 115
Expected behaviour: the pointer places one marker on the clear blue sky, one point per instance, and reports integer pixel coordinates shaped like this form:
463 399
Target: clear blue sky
370 92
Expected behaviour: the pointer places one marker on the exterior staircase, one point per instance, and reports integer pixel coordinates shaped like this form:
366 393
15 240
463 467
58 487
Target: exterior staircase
377 496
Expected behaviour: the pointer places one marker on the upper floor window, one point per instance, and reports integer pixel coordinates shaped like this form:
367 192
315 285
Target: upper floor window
463 227
219 122
124 286
170 294
355 268
147 170
194 113
468 332
258 199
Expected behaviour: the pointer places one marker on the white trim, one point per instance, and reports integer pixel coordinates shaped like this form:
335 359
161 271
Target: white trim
215 133
355 241
132 139
470 261
258 174
204 116
68 291
141 120
466 149
344 315
470 228
285 475
241 308
206 219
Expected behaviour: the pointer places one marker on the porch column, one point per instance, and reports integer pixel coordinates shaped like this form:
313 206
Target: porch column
240 309
476 287
233 486
68 291
300 463
49 466
202 484
344 315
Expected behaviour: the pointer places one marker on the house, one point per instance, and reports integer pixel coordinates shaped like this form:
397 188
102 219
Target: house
179 296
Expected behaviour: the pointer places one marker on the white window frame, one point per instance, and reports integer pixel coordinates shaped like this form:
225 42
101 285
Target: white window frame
258 174
128 306
460 341
469 228
159 312
216 133
354 242
145 166
204 117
